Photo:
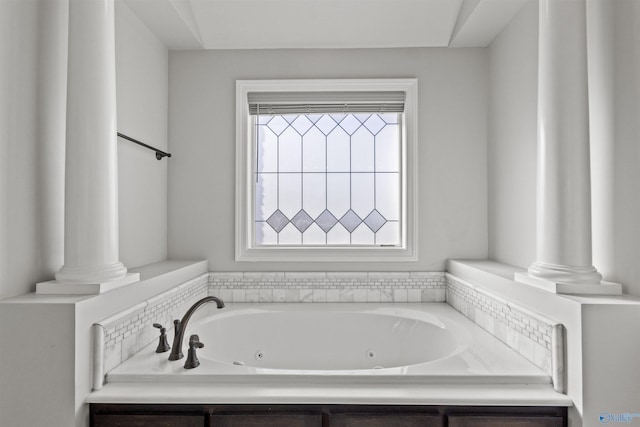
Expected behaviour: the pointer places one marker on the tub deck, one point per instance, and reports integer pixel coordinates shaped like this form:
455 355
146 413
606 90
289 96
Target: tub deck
483 371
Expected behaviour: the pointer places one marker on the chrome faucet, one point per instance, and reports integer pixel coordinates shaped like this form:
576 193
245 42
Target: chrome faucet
181 325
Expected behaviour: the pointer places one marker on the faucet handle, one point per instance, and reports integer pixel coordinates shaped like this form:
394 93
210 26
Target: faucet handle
194 342
163 344
192 359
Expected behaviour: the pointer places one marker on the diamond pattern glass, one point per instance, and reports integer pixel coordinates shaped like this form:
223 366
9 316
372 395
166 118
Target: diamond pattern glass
374 124
326 221
350 221
338 117
316 171
290 118
278 221
302 124
278 124
350 124
374 221
326 124
302 221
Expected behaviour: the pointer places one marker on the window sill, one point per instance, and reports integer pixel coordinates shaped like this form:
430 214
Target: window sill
347 254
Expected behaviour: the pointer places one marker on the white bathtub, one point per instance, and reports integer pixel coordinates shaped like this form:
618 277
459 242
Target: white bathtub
334 343
312 338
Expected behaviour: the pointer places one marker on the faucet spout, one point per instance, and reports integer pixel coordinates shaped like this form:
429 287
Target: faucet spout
181 325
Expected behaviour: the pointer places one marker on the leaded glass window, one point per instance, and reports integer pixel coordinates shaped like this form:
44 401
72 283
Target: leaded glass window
326 170
328 179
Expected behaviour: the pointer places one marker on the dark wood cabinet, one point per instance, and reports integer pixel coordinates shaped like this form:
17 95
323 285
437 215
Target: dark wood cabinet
266 420
385 420
145 420
134 415
504 421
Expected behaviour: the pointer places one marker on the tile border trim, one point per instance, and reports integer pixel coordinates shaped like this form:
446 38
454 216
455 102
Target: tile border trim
121 335
537 338
329 287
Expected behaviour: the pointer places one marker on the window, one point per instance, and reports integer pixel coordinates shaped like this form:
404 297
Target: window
324 170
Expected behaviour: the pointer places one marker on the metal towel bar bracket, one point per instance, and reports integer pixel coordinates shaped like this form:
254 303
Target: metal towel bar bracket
159 153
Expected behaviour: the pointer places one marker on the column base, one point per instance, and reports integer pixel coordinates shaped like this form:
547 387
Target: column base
602 288
53 287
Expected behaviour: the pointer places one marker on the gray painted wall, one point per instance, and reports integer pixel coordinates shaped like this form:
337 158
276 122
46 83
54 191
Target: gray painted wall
452 217
142 98
614 84
512 140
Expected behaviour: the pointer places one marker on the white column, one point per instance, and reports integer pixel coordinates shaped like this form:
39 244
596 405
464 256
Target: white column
564 263
91 260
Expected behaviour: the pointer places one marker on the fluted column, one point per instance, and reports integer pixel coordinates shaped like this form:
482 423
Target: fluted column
563 256
91 260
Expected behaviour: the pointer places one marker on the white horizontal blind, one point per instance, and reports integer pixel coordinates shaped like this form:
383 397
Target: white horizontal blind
280 103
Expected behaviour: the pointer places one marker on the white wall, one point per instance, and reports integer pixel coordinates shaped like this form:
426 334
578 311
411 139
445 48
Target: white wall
610 348
33 51
37 366
142 99
452 219
33 64
512 140
614 91
614 79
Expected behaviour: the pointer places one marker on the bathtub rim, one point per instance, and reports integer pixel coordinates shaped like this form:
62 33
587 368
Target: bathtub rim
137 368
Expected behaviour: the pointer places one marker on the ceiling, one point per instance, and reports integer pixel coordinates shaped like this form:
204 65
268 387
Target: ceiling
272 24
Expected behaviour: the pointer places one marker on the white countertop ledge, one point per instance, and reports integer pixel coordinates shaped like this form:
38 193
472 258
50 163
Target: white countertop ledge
410 394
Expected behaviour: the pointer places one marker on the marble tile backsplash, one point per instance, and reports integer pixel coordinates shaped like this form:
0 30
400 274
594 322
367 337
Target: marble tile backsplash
321 287
539 339
120 336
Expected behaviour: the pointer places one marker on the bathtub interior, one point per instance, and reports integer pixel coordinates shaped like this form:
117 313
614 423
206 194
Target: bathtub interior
325 340
306 343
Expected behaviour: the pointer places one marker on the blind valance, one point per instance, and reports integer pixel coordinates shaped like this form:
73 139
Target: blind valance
270 103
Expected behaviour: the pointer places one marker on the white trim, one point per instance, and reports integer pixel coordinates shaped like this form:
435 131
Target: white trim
244 250
54 287
98 357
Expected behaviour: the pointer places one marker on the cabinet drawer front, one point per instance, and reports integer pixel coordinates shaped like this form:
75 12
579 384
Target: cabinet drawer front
385 420
266 420
130 420
504 421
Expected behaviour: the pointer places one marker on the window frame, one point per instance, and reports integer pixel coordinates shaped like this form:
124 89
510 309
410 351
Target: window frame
245 248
